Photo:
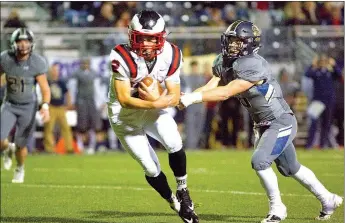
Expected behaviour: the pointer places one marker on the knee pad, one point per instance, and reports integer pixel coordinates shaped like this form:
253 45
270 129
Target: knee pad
288 170
260 165
173 145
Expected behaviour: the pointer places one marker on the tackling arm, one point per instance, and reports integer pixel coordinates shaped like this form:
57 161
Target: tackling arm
213 83
224 92
220 93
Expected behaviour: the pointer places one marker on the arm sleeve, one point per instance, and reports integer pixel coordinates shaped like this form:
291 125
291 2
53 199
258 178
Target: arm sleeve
250 69
119 70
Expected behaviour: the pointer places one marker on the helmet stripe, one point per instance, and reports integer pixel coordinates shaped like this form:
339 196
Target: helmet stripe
235 25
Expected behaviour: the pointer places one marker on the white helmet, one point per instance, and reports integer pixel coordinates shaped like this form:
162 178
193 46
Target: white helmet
147 23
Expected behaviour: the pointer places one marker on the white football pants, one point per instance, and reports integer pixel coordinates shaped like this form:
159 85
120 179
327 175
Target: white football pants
132 134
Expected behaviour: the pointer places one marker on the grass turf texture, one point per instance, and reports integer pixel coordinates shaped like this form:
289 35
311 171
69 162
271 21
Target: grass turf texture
111 188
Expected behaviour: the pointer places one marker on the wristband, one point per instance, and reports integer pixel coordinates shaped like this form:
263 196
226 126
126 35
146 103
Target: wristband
45 106
192 98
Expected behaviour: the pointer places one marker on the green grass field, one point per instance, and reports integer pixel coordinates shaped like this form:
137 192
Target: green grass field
111 188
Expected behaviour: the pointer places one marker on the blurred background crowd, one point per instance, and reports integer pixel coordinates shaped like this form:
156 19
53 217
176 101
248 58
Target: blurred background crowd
266 14
303 41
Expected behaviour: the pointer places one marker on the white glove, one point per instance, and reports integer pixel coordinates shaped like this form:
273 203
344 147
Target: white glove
192 98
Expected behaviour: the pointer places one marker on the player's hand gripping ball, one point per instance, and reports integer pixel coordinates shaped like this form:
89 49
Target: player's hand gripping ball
150 89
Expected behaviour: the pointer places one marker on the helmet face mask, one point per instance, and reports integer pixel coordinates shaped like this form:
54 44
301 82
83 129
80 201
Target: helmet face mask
147 34
23 46
22 41
240 39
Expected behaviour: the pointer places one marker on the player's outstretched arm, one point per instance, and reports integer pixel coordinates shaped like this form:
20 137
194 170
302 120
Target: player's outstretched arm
196 96
213 83
123 88
224 92
220 93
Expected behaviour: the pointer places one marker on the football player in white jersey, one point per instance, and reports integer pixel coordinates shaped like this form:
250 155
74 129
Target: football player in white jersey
149 54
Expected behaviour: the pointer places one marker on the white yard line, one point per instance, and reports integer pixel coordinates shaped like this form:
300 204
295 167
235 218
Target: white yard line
102 187
193 171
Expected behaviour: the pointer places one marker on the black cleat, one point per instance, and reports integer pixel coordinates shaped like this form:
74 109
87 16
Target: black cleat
186 212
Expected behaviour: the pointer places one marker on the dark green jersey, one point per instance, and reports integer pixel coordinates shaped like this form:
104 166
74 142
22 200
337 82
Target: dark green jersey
21 76
264 102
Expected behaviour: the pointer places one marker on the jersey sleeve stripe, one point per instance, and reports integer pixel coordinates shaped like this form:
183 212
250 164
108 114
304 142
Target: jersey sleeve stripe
126 56
176 60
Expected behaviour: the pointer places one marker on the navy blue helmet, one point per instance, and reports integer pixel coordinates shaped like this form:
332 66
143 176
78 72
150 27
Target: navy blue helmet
241 38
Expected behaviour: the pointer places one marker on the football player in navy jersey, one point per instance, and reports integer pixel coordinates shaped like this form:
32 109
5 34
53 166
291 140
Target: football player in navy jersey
239 71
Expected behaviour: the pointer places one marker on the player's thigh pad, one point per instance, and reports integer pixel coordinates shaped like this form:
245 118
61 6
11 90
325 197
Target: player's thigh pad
134 140
25 123
8 120
273 141
162 127
287 163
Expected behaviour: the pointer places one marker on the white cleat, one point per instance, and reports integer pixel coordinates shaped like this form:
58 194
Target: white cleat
277 214
18 176
174 203
8 156
7 161
329 206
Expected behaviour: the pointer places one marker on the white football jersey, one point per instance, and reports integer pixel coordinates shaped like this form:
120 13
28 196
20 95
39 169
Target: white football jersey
127 65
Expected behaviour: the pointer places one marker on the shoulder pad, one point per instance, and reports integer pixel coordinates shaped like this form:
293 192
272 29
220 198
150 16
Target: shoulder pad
245 62
40 63
175 59
123 52
251 68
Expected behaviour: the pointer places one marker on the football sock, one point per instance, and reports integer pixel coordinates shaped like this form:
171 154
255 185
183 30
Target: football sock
181 182
178 163
307 178
269 182
160 184
20 168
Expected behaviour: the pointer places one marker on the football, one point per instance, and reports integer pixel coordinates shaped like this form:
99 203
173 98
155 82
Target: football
152 85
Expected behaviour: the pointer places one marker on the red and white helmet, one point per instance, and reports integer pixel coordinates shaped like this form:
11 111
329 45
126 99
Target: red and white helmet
147 23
